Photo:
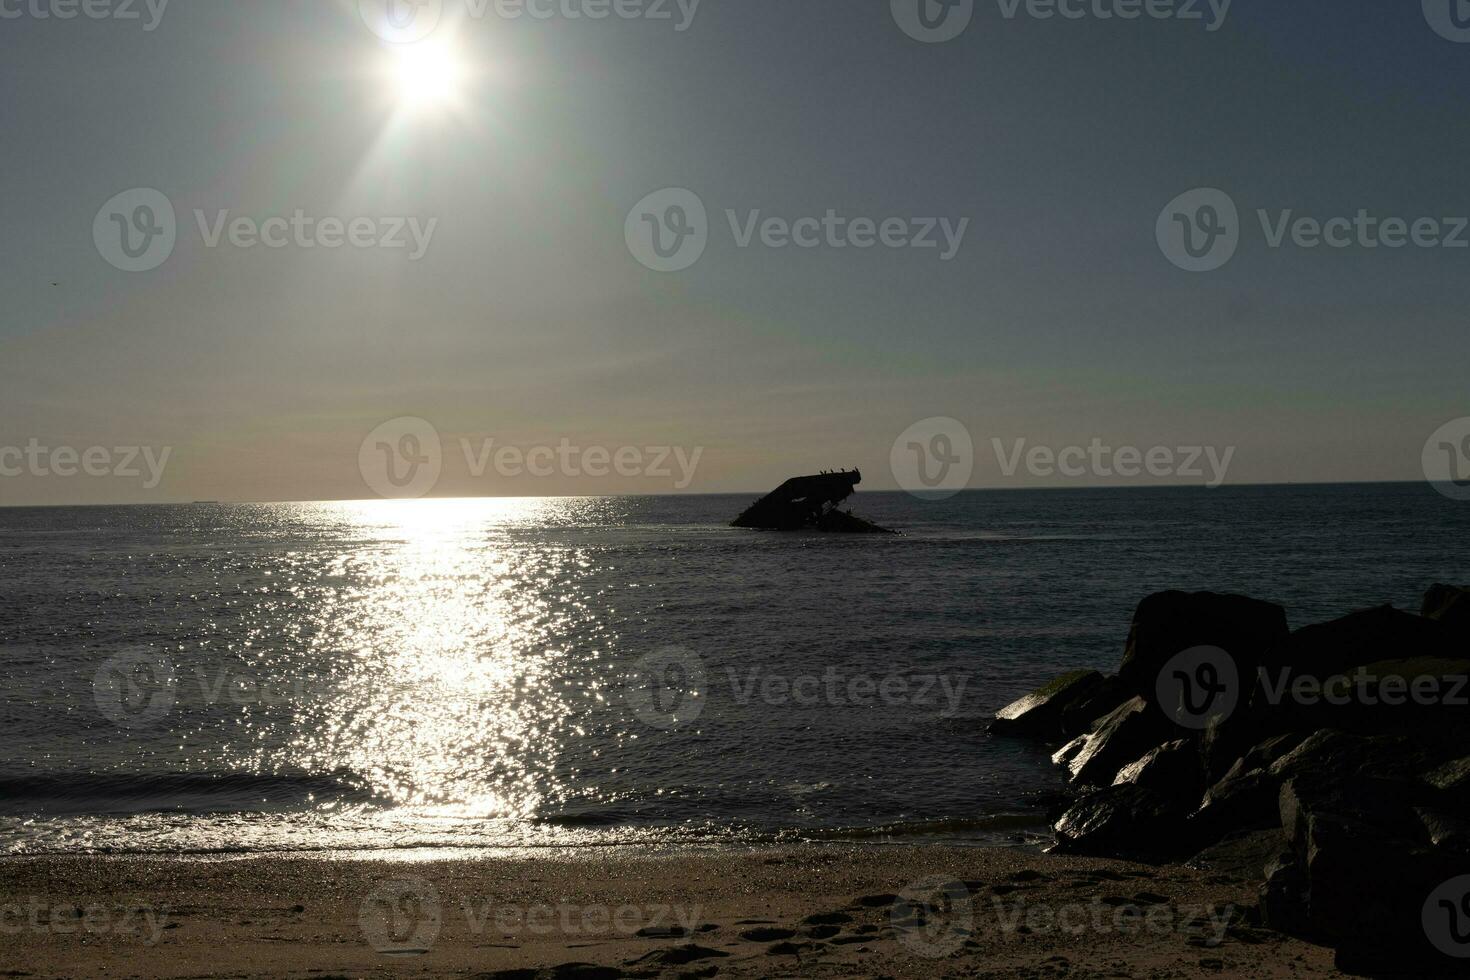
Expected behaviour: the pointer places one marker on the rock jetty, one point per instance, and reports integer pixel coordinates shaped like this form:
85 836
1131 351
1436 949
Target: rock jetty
1332 760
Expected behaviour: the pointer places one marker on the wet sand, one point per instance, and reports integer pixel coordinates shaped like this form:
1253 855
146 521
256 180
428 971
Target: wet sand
845 911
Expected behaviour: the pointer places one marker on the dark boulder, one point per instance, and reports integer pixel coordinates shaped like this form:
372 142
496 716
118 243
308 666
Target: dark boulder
1337 756
1246 799
1444 830
1083 714
1425 697
1352 688
1374 806
1450 605
1039 714
1245 855
1452 781
1125 820
1371 636
1167 623
1121 737
1248 796
1173 768
1369 880
1284 896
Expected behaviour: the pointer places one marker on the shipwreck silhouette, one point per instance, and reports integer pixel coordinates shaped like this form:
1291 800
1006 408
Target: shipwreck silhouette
809 503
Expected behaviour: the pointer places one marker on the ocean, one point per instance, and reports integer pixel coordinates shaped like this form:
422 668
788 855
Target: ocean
220 679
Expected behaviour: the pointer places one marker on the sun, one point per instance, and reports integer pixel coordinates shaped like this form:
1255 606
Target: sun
425 76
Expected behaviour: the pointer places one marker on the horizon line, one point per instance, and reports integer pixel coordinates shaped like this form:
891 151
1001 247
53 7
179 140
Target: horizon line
715 493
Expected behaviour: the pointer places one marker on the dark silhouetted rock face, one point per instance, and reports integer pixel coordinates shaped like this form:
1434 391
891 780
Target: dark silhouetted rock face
1039 714
1168 623
1336 675
1365 875
1173 767
1361 638
1339 774
1450 605
1120 738
1125 820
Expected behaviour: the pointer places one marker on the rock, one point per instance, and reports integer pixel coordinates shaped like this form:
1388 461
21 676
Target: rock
1217 751
1246 855
1244 800
1423 696
1374 806
1125 820
1173 768
767 934
1063 756
1294 691
1452 780
1120 738
1249 798
1363 873
1283 896
1450 605
1370 636
1039 714
1445 831
1083 714
1168 623
1333 755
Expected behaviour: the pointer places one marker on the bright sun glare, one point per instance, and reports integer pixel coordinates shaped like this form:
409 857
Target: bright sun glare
425 75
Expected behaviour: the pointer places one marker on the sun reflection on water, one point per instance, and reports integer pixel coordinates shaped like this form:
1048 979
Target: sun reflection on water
446 697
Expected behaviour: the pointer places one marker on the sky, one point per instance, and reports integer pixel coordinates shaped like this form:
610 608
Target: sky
499 324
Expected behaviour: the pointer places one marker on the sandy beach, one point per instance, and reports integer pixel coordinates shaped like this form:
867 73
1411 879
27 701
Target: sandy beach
881 911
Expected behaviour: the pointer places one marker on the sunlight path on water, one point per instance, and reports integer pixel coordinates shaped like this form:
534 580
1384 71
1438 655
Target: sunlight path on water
447 698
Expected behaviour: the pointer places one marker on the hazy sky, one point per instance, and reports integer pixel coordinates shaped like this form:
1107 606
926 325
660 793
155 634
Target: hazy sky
528 319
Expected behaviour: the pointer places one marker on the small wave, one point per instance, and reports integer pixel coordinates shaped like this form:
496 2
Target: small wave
203 792
987 828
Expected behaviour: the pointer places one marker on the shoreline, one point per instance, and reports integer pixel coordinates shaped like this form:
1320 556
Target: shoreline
830 910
